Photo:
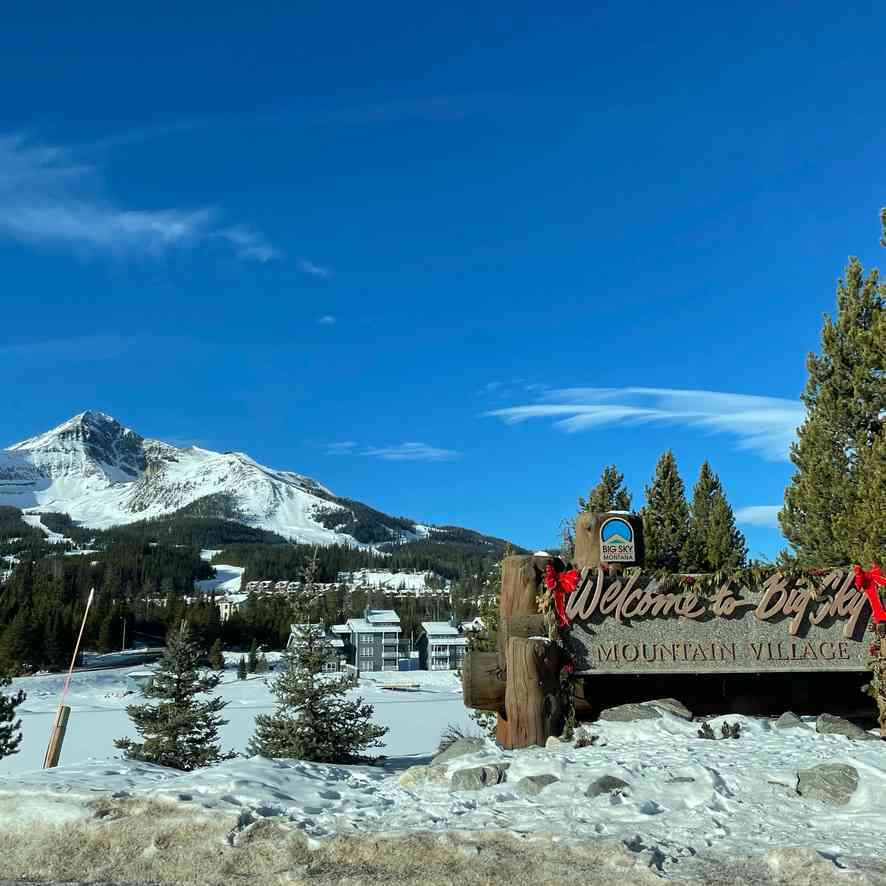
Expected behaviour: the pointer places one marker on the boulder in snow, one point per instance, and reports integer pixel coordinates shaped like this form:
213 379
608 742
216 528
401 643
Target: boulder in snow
832 783
789 720
535 784
605 784
672 706
628 713
828 724
415 775
459 748
477 777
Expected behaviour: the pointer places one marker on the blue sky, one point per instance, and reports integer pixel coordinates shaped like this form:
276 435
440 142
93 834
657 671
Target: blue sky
448 261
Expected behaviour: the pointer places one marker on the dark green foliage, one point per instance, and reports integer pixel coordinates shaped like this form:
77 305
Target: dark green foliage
825 518
216 656
705 731
313 720
714 542
610 494
179 731
261 666
665 516
241 668
252 661
10 728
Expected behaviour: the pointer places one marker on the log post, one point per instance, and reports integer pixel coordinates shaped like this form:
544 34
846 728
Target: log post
532 693
59 727
482 685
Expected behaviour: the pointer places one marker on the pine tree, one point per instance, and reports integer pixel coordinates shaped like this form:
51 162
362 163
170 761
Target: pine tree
665 516
252 661
216 656
261 666
313 720
180 731
714 542
845 399
10 728
725 546
241 669
609 494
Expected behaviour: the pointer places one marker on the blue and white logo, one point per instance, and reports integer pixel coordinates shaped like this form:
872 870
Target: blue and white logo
617 541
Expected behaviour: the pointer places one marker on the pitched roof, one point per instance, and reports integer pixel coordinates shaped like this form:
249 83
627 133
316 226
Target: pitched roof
382 616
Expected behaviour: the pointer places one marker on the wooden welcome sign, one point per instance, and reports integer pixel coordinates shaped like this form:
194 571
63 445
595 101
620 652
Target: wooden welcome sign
618 618
632 624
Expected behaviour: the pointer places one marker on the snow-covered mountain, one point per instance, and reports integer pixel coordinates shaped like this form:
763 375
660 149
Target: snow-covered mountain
103 474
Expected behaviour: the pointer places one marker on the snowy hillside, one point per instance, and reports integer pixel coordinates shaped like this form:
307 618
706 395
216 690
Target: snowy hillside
103 474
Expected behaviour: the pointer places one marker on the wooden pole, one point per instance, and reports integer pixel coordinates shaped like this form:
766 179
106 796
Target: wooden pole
482 687
60 724
59 727
532 694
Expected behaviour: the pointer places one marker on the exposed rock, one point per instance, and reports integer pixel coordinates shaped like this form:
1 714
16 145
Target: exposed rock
477 777
832 783
458 749
628 713
423 775
828 724
680 779
672 706
789 720
555 743
605 784
535 784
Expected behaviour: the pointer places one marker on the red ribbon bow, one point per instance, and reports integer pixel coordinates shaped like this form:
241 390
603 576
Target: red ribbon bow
869 582
560 584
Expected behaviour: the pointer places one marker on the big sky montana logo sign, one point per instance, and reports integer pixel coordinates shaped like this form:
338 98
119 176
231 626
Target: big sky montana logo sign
617 541
630 623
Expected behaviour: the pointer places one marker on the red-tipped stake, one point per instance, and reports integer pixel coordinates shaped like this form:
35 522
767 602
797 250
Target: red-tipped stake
60 724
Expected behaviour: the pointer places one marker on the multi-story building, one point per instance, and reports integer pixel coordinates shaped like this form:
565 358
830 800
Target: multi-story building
440 646
374 640
335 656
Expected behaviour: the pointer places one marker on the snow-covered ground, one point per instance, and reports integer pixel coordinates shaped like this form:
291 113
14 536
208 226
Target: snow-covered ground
98 701
685 797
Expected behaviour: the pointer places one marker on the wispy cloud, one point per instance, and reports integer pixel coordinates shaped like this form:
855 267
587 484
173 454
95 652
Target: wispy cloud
49 198
313 270
347 447
249 243
758 515
400 452
326 320
95 347
766 425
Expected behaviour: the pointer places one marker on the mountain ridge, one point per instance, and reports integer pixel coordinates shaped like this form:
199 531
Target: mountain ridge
104 474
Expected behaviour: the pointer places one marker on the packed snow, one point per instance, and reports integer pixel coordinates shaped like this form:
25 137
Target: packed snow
683 795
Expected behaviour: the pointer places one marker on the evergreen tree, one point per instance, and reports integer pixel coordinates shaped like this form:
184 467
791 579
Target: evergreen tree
241 668
252 661
180 731
665 516
313 720
725 546
609 494
216 656
10 728
714 542
837 444
261 666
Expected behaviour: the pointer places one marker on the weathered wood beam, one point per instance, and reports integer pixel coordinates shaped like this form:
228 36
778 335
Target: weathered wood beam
483 687
532 693
524 626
